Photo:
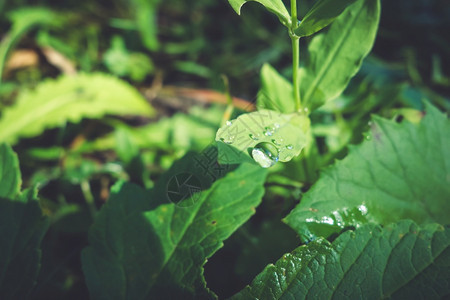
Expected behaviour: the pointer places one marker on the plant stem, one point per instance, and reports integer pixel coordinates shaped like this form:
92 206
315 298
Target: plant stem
295 55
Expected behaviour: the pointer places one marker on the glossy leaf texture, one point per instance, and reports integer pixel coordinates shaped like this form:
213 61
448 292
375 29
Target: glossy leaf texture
145 247
10 180
321 15
401 261
285 132
401 172
69 99
22 228
276 92
336 55
275 6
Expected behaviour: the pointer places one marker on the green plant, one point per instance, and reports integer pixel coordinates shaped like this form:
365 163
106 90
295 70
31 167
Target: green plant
140 202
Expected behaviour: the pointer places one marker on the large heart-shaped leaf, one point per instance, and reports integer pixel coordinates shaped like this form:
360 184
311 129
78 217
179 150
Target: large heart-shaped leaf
401 261
275 6
10 180
281 136
336 55
69 99
321 15
144 247
402 172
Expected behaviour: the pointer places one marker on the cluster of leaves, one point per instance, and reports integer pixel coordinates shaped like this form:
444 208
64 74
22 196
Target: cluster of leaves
112 219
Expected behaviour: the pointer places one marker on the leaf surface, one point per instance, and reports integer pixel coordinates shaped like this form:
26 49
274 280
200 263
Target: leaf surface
68 98
321 15
22 228
10 180
336 55
402 172
143 247
276 92
275 6
286 132
401 261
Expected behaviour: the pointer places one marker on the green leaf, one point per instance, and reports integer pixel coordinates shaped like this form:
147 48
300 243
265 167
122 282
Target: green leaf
321 15
23 20
21 231
69 98
146 19
401 261
402 172
10 180
286 134
276 92
275 6
336 55
143 246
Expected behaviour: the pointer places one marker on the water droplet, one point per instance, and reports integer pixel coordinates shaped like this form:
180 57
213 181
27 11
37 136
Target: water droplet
306 110
363 209
228 140
278 142
268 131
368 137
228 123
254 137
289 147
276 125
265 154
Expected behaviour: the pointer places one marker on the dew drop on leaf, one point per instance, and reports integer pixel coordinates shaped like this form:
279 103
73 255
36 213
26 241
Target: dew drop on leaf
254 137
268 131
228 123
265 154
289 147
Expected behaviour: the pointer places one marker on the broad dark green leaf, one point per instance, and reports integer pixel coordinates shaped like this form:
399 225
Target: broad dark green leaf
69 99
401 261
275 6
144 247
336 55
321 15
401 172
276 92
22 228
286 134
10 180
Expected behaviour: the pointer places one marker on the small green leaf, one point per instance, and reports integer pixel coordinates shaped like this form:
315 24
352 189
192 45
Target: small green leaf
321 15
275 6
285 132
144 247
276 92
10 180
401 261
401 172
336 55
69 99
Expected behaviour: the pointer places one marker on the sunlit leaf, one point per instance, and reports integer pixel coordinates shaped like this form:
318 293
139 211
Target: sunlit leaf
336 55
69 99
280 136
